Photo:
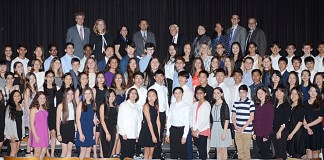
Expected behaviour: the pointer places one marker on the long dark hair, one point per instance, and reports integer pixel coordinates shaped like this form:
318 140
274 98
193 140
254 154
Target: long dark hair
2 104
321 88
53 84
106 102
104 84
35 102
267 97
156 102
65 107
107 68
168 57
222 97
130 73
281 88
12 105
63 83
318 101
149 75
300 96
240 54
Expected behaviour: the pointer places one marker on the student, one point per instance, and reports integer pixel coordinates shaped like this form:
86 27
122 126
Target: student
67 83
187 97
138 85
229 70
39 136
180 64
36 68
256 77
214 65
295 145
91 69
283 69
149 50
108 118
242 117
2 121
314 112
262 123
132 67
293 81
153 66
65 126
3 71
162 92
236 54
201 122
66 59
7 56
8 87
150 133
267 70
221 54
84 83
305 84
275 82
275 54
319 58
49 87
307 49
205 54
130 49
220 77
74 72
203 80
169 67
109 52
247 71
15 122
119 86
178 124
253 53
38 55
53 51
85 118
87 50
290 50
19 76
111 69
220 116
310 65
188 56
196 68
99 91
319 82
296 62
129 124
22 50
56 67
280 120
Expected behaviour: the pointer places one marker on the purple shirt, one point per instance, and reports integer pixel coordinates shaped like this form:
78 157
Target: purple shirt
109 78
263 119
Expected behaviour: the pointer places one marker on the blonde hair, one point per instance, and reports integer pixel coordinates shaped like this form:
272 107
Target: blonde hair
95 28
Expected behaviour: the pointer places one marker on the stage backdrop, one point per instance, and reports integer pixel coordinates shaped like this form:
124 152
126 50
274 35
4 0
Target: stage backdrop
46 21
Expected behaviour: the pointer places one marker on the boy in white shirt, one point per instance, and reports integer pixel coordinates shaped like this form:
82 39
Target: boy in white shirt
290 49
307 49
275 50
22 50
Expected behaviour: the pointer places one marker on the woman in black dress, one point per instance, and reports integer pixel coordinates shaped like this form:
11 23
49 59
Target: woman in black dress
2 120
120 42
149 135
108 118
50 90
296 145
99 39
312 122
99 95
281 116
67 83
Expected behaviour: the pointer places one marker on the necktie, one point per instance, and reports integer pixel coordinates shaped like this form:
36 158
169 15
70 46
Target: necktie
173 40
232 35
81 33
249 37
144 36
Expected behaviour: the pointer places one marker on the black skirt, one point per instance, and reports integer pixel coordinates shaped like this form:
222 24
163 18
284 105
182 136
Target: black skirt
68 132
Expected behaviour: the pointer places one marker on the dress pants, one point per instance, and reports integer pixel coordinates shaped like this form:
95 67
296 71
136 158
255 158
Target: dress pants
158 150
243 142
127 147
280 145
177 150
201 143
264 148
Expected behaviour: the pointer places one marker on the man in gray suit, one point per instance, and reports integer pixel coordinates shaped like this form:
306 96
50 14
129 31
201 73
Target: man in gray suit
142 37
78 35
257 36
236 33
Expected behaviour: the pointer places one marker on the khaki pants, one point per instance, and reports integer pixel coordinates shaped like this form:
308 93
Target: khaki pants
243 143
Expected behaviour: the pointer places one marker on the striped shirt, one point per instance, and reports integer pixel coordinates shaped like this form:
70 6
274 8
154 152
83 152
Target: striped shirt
243 110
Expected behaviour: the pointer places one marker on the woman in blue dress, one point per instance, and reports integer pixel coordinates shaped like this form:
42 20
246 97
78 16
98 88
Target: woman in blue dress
85 121
119 86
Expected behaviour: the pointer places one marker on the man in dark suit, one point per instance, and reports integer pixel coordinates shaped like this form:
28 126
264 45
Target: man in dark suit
178 39
78 35
142 37
257 36
236 33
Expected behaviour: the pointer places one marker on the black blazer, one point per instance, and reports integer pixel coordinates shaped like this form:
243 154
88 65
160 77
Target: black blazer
259 38
182 39
96 42
224 114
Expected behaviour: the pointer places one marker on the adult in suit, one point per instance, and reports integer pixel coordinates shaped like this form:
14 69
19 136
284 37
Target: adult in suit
257 36
142 37
237 33
99 39
178 39
78 35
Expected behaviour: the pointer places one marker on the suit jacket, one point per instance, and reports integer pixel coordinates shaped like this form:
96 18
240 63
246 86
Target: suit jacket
239 36
139 41
96 42
182 39
75 79
259 38
73 36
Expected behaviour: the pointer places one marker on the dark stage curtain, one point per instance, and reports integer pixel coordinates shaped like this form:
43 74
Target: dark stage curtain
46 21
